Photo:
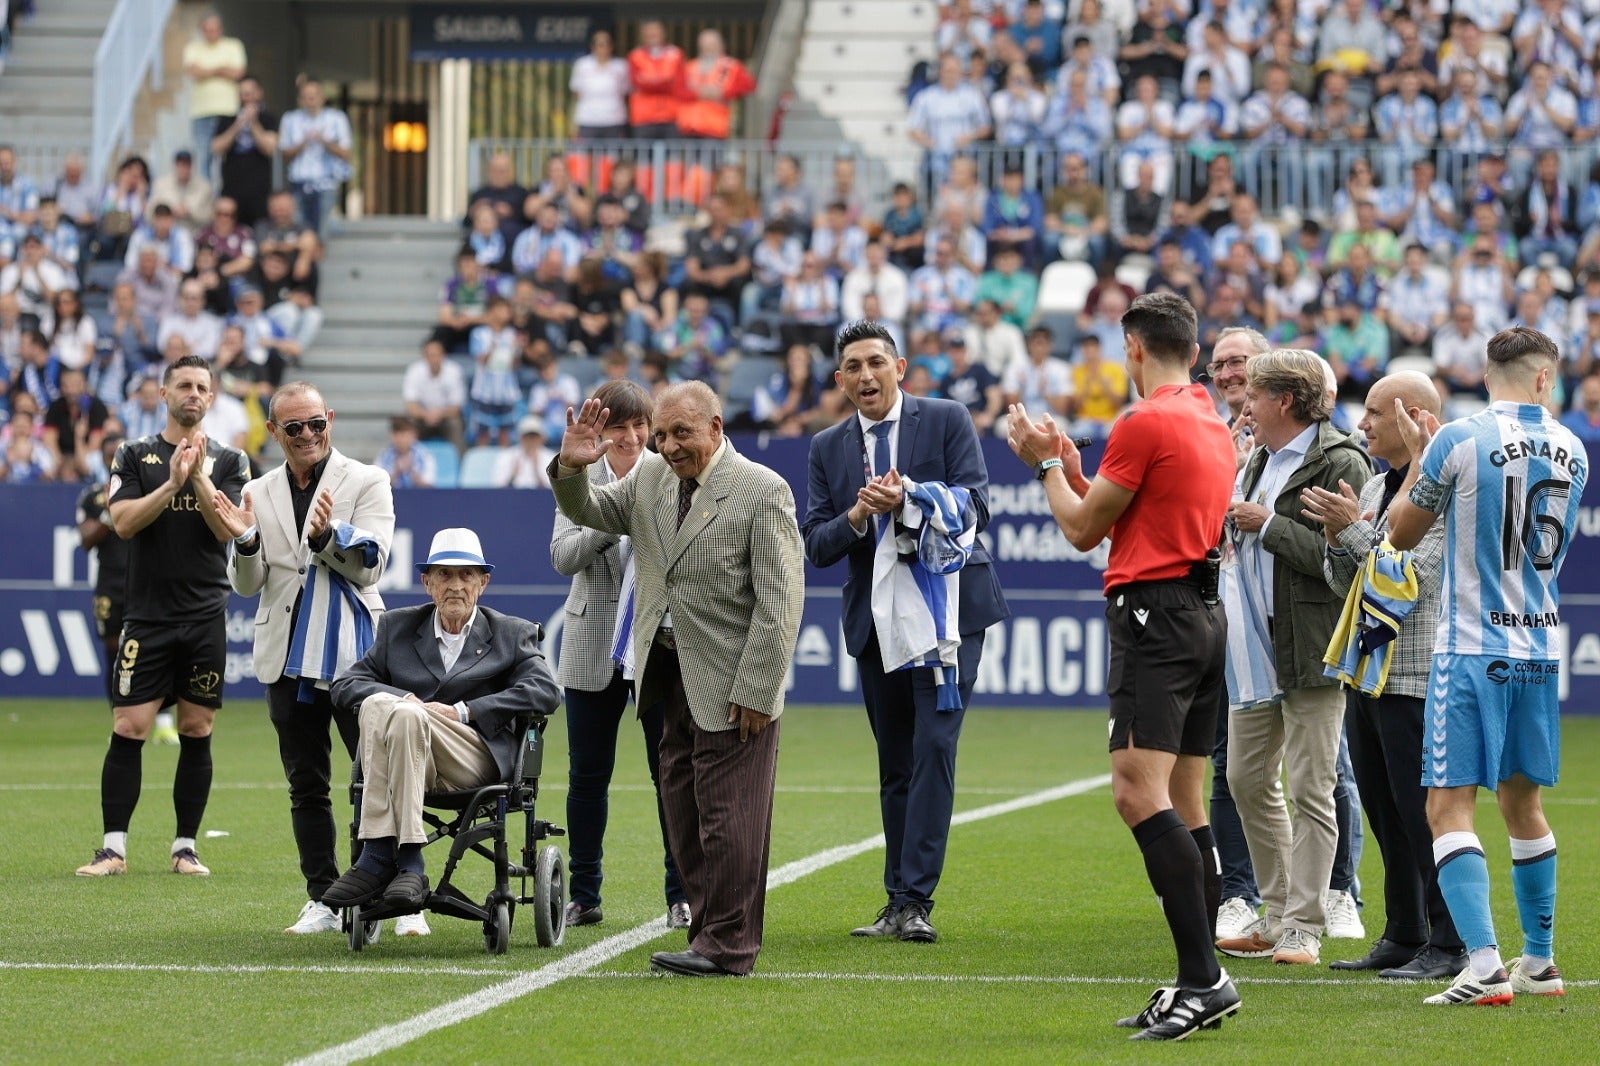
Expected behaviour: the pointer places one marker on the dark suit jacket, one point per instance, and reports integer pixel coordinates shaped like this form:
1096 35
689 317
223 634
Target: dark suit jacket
501 673
937 443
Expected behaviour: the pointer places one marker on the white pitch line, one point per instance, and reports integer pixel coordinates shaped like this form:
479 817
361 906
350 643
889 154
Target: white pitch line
470 1006
228 968
402 970
1036 979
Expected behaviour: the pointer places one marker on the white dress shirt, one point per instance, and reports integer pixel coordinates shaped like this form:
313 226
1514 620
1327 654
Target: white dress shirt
450 644
867 425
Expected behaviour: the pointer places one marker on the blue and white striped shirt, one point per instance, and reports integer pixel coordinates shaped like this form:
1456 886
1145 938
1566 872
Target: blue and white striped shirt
315 165
1508 481
495 383
533 244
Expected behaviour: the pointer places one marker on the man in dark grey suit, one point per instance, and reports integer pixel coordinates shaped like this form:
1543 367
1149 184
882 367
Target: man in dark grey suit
439 695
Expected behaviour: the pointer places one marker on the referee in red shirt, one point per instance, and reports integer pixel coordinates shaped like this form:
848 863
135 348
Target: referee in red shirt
1161 494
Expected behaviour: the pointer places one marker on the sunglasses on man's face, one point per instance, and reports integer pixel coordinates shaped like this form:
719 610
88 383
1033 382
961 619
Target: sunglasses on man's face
292 429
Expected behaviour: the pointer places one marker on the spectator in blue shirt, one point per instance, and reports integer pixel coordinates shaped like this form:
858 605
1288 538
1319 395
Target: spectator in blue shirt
408 464
1039 38
1015 216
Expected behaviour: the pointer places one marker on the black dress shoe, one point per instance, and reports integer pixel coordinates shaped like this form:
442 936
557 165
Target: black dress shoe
1431 964
914 925
886 924
687 964
356 887
407 890
578 914
1384 955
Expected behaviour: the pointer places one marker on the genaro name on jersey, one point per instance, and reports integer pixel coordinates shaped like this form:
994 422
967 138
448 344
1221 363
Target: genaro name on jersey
1511 478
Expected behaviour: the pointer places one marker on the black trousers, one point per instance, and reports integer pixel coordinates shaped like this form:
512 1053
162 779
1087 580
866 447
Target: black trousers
593 721
306 748
1386 751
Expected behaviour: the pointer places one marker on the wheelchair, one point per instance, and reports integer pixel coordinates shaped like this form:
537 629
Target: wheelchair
477 822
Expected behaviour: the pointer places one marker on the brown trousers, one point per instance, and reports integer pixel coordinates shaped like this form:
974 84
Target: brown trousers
717 793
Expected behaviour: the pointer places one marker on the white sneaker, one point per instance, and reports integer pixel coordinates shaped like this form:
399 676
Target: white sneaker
1545 983
412 925
1233 916
314 918
1343 920
1467 990
1296 947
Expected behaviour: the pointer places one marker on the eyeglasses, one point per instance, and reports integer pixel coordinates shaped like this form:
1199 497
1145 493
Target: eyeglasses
292 429
1236 363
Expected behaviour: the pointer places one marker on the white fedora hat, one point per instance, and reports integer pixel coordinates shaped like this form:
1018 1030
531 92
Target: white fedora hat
454 547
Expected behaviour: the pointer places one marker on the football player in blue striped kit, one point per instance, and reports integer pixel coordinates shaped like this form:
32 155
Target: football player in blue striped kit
1508 481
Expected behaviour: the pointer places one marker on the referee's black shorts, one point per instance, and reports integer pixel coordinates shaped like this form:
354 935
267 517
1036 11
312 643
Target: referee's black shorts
1167 670
160 660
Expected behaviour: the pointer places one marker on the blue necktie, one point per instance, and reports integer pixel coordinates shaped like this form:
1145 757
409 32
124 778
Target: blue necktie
880 461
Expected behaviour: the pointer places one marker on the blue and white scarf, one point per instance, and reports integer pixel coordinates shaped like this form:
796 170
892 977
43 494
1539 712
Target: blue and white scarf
333 628
916 584
1252 676
622 634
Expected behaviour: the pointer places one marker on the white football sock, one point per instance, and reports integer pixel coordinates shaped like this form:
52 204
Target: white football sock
1485 961
180 843
117 842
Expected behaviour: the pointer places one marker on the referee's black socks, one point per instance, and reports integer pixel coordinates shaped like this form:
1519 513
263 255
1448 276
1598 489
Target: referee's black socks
1172 860
1210 873
191 783
120 780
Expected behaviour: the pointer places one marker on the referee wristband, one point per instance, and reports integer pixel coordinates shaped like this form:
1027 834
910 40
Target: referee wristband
1045 467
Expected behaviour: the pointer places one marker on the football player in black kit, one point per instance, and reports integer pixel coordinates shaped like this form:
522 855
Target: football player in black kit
174 633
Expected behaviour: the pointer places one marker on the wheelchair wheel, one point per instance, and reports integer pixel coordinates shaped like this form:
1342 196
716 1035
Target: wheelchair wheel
360 933
549 897
497 930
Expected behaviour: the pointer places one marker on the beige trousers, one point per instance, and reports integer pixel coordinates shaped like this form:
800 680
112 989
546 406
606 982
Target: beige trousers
1297 737
406 751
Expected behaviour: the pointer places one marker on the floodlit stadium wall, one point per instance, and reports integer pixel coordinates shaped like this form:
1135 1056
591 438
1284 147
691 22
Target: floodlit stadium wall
1050 654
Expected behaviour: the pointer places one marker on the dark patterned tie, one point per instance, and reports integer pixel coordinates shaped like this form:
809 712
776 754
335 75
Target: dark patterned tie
686 489
880 461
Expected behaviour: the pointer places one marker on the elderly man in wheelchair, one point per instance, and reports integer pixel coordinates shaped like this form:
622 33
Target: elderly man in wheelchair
449 695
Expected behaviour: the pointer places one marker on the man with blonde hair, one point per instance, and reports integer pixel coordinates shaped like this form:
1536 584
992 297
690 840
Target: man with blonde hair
1280 561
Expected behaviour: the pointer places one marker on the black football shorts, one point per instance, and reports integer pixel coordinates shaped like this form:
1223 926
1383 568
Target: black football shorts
185 660
1167 667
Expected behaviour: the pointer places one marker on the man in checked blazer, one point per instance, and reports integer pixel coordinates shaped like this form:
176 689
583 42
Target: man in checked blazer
720 587
283 531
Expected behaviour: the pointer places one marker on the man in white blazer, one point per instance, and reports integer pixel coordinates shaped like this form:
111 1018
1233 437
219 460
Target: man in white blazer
312 538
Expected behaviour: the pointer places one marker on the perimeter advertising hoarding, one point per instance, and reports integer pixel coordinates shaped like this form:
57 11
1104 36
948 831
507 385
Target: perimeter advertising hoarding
1052 653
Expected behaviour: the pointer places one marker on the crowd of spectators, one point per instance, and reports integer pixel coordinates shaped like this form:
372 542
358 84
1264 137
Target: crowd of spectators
102 286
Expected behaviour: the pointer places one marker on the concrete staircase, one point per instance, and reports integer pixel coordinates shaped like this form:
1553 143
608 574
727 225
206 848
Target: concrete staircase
849 82
47 91
380 294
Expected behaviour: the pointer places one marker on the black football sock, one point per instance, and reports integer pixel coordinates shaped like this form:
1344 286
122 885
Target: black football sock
1210 873
120 780
1173 863
191 784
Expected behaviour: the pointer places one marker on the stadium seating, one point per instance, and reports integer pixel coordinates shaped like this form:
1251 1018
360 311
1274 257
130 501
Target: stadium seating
477 468
447 465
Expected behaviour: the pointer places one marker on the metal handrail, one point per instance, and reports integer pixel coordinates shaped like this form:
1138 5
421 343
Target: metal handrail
129 49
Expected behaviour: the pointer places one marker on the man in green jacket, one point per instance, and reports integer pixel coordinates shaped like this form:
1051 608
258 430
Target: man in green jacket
1287 400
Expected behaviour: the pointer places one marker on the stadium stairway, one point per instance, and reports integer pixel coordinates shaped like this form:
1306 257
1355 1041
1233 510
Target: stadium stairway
855 59
381 279
47 91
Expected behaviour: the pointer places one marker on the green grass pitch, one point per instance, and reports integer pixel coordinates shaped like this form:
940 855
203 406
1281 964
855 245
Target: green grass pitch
1048 927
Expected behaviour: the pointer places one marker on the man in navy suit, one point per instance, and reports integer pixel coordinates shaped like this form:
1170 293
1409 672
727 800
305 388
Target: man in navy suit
855 489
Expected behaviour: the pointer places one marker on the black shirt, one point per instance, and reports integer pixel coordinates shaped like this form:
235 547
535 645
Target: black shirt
713 251
111 580
970 388
302 497
63 417
177 569
246 169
